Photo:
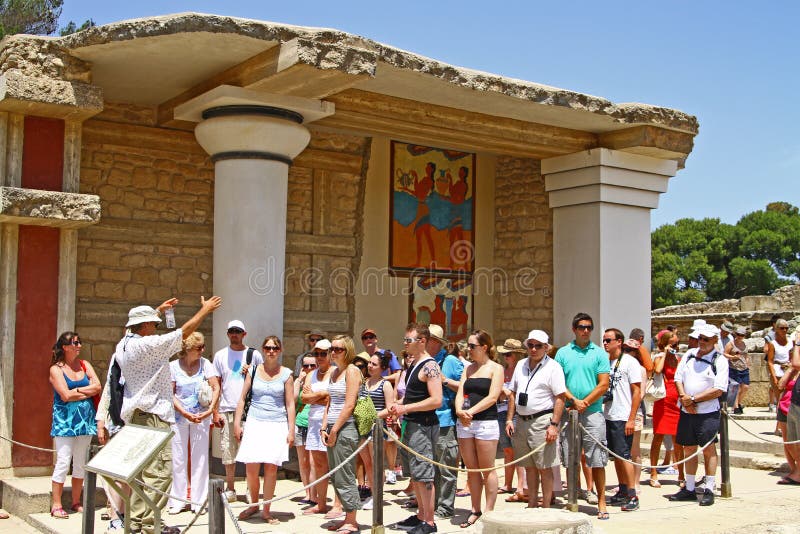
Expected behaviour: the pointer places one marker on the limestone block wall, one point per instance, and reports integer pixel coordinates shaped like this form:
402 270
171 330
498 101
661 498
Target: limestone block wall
523 248
155 237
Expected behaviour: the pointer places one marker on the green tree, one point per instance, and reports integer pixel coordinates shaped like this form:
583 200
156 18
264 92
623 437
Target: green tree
699 260
71 27
38 17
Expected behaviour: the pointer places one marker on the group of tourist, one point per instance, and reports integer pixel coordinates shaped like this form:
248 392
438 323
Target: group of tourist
448 403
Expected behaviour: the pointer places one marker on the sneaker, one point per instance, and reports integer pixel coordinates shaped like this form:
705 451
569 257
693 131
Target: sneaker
591 498
443 515
408 523
617 499
170 530
683 495
116 524
364 492
707 498
631 505
668 471
738 411
367 505
231 496
423 528
771 408
391 477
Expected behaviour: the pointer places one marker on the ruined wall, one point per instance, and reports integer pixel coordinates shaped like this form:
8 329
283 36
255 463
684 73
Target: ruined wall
523 249
155 237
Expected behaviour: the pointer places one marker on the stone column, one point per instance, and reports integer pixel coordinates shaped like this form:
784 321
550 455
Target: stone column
601 201
252 138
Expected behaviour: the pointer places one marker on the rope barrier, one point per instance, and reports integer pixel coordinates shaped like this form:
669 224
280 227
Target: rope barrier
760 437
26 445
163 494
394 436
648 466
232 515
196 515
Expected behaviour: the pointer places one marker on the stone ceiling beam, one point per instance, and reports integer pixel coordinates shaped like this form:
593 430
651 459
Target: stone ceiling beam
300 67
649 141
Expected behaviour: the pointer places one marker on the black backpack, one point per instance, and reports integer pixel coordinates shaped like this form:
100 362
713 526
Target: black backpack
249 397
713 363
115 394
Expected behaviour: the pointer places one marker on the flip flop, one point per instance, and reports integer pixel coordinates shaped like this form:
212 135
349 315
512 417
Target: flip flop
468 523
334 514
786 481
271 520
517 498
314 510
504 490
654 483
77 507
247 513
4 515
462 493
59 513
602 516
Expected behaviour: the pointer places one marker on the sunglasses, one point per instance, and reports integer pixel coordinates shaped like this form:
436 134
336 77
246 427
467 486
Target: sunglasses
704 338
236 331
271 348
608 340
739 335
471 346
75 343
782 328
411 339
309 366
320 353
535 346
314 339
368 336
338 350
200 347
584 327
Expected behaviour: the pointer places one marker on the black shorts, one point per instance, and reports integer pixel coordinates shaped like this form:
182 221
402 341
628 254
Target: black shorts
697 428
618 442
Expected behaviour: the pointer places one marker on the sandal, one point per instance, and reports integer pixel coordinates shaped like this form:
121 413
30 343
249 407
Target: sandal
247 513
314 510
77 507
602 515
504 490
462 493
654 483
4 514
271 520
468 523
334 514
517 498
59 513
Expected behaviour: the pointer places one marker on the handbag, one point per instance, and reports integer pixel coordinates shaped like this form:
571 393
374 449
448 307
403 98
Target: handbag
248 398
655 388
364 413
96 397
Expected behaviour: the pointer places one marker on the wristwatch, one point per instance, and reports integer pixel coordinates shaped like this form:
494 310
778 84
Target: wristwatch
693 401
553 423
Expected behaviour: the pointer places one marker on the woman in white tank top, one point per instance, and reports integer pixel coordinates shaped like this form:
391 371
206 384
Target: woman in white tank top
778 351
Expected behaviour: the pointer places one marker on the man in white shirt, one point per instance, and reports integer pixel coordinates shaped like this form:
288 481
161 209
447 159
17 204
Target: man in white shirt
233 363
620 405
539 394
701 378
143 357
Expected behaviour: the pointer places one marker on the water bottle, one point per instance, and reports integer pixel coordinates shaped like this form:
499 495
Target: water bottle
169 315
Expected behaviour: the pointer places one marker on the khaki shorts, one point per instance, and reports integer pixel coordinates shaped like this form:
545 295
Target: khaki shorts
529 434
229 445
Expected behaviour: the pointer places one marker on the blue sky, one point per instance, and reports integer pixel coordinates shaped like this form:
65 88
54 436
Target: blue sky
732 64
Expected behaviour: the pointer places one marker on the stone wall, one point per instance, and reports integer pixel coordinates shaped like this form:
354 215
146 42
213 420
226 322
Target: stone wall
155 237
523 246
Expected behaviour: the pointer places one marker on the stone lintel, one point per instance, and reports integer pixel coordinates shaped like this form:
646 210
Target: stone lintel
608 158
48 208
228 95
48 97
608 194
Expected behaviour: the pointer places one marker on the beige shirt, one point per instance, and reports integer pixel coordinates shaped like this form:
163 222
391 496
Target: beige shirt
145 366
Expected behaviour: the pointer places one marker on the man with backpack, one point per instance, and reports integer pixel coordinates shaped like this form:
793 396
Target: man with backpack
701 378
232 363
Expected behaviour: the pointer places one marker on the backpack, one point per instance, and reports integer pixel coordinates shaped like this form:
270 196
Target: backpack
713 363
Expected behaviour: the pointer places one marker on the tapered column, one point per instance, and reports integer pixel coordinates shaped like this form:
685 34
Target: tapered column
252 138
601 202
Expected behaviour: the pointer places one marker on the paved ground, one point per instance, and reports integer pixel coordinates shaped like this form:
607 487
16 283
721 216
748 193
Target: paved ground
758 506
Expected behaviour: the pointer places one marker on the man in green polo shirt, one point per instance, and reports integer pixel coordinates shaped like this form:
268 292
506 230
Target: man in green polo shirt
586 371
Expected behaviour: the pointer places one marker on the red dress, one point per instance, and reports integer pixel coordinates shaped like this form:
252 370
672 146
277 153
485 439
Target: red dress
666 411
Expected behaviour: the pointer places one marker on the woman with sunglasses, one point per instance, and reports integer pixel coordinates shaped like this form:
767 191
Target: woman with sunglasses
270 425
74 384
307 366
666 411
339 430
315 394
192 431
477 430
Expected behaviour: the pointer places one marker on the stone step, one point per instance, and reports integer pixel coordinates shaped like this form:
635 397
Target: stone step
26 496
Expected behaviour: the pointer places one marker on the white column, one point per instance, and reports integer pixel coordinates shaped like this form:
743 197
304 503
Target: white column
252 138
601 202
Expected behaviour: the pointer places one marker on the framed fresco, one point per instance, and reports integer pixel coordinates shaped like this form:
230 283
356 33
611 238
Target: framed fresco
432 210
447 302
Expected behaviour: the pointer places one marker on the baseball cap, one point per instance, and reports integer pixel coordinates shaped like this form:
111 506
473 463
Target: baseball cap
538 335
236 323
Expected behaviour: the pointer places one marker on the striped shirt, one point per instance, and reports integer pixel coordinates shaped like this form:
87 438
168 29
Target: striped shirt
337 392
377 396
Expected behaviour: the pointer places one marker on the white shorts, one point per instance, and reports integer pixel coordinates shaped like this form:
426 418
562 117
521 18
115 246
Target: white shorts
485 430
314 437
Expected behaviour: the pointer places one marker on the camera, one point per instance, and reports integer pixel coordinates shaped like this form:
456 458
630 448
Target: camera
608 396
672 351
522 399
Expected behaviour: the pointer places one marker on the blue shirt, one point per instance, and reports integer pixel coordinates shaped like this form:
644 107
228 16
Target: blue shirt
581 367
452 368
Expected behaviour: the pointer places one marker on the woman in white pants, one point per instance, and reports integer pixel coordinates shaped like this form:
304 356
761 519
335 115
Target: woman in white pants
192 411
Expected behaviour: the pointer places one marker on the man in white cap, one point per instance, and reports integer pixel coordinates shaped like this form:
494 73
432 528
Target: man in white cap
143 357
446 448
539 394
233 363
701 378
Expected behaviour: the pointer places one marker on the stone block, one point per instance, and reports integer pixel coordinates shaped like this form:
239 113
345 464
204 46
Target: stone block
115 275
48 208
528 520
103 257
759 303
110 290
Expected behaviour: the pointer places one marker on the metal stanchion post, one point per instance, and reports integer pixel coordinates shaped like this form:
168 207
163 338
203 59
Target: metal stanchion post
377 477
89 490
574 460
725 452
216 511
